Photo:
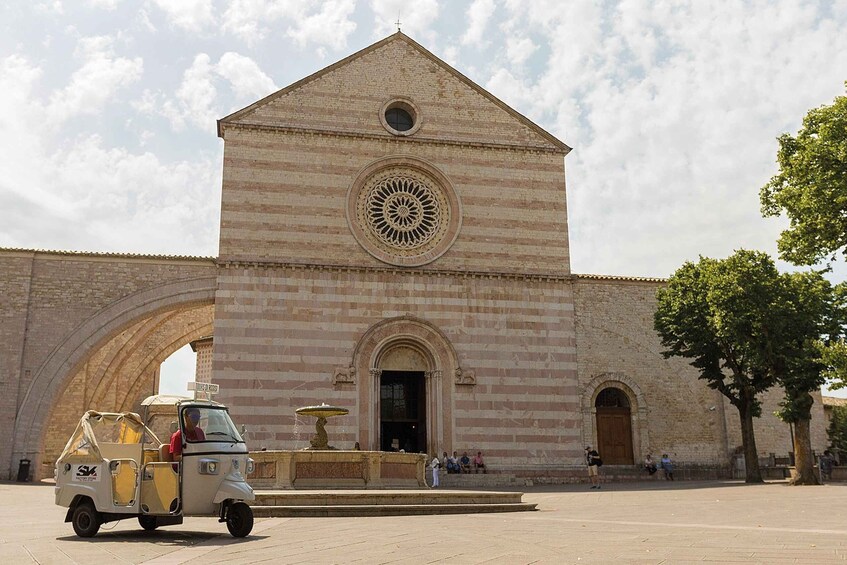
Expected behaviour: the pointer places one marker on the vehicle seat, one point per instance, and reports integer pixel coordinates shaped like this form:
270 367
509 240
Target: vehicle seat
165 452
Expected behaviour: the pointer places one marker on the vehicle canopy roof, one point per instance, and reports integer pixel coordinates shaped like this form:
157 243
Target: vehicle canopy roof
174 400
111 427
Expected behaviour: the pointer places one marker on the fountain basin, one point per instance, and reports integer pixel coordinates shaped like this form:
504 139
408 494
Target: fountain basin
322 411
336 469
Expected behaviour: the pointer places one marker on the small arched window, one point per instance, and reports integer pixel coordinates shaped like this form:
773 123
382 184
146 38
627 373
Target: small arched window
611 398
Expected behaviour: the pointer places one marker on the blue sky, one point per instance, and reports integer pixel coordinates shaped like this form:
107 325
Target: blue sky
672 108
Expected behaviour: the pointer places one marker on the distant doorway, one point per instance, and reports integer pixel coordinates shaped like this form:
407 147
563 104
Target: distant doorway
614 427
402 411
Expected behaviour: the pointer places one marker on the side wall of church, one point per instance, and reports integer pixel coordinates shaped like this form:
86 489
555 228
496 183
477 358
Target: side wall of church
616 344
282 332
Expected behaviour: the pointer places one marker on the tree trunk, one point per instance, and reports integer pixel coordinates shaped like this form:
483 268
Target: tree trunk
803 460
748 440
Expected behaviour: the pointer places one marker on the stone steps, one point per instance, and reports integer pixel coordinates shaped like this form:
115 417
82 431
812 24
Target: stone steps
385 503
387 510
473 480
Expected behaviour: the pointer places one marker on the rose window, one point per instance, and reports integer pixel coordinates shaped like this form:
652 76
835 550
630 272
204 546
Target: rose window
402 212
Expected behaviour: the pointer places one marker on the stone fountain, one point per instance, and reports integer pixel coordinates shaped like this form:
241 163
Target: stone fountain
322 412
321 466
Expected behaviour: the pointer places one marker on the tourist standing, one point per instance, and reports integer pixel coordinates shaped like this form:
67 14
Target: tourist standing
592 459
825 464
667 467
434 465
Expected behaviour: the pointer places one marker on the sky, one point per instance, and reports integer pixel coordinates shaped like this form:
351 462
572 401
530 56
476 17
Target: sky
672 107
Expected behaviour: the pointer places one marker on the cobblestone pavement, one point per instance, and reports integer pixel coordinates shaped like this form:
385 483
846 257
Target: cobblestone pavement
682 522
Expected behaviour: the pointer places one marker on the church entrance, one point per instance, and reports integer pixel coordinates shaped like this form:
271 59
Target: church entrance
402 411
614 427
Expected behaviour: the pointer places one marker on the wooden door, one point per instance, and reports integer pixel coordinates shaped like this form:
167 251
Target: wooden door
614 435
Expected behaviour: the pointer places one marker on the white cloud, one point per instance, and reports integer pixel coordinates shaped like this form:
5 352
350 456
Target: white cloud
248 81
249 20
519 49
76 193
329 27
195 99
95 83
197 102
479 13
673 113
190 15
104 4
325 24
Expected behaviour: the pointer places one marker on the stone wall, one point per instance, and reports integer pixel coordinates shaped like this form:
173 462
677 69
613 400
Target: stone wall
673 411
58 309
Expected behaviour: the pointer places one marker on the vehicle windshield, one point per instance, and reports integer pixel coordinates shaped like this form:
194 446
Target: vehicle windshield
207 423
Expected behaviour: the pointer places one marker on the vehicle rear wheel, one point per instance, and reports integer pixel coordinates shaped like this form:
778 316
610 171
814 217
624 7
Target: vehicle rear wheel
239 520
86 520
148 522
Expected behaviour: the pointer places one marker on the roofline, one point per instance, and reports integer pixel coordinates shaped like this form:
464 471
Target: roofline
105 254
620 278
424 51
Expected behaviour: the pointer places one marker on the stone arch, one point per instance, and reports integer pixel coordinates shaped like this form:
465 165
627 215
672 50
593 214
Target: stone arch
100 342
638 410
433 349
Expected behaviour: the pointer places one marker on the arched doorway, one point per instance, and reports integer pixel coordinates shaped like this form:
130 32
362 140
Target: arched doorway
614 426
405 357
403 398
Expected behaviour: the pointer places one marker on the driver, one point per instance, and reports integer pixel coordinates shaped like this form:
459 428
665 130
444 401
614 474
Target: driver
190 417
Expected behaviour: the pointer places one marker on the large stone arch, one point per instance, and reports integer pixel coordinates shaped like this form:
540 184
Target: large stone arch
120 339
638 410
441 361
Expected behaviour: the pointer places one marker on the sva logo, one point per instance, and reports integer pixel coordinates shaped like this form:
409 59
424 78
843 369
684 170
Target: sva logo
86 473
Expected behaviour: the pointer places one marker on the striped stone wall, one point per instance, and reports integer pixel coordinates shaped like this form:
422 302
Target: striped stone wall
283 332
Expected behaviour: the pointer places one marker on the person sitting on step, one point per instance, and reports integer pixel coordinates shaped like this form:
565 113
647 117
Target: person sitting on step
465 463
478 463
453 464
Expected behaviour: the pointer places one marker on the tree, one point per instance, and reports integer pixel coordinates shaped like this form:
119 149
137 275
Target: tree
837 430
806 321
719 313
811 187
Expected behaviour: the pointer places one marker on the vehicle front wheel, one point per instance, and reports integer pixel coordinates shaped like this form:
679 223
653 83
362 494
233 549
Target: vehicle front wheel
86 520
148 522
239 520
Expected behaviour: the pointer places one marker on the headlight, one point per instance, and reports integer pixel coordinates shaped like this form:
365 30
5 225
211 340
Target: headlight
208 467
251 466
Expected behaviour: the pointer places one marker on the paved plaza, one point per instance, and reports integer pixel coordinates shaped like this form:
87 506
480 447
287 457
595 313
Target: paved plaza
657 522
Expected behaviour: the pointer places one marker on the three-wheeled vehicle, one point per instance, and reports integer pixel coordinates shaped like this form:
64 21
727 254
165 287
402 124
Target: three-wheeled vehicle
115 467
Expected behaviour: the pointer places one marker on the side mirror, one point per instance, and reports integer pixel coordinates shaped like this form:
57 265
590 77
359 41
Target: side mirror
243 431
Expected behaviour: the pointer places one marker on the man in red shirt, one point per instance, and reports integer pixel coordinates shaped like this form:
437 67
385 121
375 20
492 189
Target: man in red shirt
192 432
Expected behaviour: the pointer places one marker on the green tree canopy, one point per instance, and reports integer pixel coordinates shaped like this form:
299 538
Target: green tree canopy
719 313
747 327
811 187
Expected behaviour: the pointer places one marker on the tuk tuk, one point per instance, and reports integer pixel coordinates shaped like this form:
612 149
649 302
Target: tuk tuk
115 467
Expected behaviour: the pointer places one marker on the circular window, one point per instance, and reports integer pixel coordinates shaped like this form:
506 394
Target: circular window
400 116
403 212
399 119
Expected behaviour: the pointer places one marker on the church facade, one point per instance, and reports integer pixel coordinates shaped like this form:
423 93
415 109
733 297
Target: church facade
394 241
